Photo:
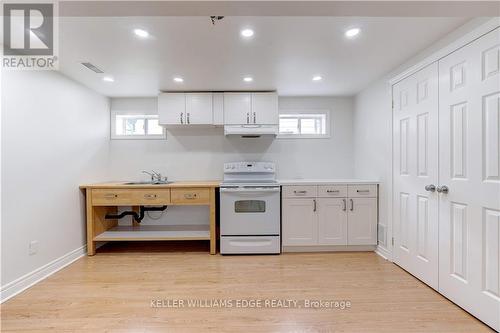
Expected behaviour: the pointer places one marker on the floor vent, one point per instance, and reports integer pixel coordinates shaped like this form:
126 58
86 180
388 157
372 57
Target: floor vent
382 235
92 67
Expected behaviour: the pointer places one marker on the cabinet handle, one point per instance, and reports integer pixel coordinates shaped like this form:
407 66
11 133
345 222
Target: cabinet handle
332 191
188 118
254 118
150 196
182 120
344 205
190 196
352 204
363 191
110 196
248 118
314 203
299 192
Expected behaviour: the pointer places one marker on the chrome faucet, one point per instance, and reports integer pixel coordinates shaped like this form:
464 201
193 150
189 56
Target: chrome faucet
156 177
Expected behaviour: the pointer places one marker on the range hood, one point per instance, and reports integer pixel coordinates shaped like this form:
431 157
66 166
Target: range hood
251 131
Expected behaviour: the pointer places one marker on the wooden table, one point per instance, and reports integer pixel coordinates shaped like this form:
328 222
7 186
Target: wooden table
105 198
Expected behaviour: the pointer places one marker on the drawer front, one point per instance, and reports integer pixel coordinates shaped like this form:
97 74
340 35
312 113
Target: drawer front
126 197
332 191
151 197
306 191
111 197
358 191
191 196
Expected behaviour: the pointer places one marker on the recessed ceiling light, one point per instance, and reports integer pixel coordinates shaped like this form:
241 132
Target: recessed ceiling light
108 79
248 79
352 32
317 78
178 79
247 33
141 33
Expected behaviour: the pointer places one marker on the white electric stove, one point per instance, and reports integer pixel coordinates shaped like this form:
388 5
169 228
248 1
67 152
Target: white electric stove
250 208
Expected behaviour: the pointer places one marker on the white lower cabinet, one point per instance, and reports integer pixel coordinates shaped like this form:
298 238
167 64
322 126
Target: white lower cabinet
301 227
362 218
332 221
324 219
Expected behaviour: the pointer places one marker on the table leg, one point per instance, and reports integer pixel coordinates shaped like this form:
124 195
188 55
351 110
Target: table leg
90 224
213 233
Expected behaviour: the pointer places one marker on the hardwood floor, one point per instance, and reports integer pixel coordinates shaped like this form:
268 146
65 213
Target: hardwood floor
113 291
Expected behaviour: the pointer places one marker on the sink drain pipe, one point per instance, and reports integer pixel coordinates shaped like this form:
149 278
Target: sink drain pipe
138 217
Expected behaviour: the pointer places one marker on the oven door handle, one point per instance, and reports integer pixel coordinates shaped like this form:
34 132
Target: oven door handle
250 189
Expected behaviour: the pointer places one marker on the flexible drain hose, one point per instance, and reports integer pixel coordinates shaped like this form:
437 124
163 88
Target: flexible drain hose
137 217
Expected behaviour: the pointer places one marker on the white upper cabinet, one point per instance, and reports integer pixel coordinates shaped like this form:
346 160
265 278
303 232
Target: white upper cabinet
265 108
250 108
218 108
171 108
232 108
199 108
237 108
185 108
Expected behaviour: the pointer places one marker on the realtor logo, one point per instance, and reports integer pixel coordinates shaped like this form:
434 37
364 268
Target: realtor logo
28 34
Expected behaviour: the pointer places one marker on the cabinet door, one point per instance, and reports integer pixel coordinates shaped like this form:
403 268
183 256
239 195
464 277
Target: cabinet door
199 108
218 109
172 108
300 222
237 108
362 221
264 109
332 221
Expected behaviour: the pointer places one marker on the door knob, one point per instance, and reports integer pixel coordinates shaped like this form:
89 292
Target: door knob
442 189
430 188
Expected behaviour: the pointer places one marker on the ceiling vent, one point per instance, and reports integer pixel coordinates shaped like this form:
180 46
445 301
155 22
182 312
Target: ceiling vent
92 67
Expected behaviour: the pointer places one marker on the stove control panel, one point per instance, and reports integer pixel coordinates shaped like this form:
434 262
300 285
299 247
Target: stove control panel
249 167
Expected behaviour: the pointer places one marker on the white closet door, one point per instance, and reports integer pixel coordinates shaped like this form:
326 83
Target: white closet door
415 163
469 144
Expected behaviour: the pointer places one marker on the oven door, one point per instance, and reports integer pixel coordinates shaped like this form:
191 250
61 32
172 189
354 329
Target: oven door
250 210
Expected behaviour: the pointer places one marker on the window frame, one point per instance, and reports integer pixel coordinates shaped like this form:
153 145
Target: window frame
114 136
326 112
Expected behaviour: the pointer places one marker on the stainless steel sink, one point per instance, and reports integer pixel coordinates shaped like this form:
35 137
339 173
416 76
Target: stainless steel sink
148 183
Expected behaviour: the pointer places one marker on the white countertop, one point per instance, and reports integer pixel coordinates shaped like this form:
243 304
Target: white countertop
305 181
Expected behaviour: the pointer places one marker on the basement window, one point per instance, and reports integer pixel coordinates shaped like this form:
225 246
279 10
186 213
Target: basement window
135 126
306 124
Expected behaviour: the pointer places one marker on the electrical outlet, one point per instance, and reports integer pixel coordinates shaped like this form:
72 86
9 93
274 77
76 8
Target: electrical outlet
33 248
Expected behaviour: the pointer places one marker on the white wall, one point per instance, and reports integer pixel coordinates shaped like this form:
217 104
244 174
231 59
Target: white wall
373 144
55 136
200 153
372 128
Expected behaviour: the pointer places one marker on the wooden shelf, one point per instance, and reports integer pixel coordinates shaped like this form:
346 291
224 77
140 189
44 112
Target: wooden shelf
155 232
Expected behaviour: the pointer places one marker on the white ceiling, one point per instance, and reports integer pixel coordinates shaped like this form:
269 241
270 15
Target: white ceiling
284 54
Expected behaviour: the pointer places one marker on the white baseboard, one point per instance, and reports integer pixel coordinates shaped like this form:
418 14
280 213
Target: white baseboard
329 248
19 285
384 253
